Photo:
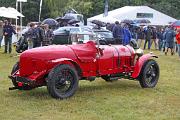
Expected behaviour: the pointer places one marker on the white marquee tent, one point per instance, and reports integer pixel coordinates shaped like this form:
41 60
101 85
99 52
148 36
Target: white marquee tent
134 13
10 12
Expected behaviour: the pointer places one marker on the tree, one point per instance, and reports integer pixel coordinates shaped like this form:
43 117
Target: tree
55 8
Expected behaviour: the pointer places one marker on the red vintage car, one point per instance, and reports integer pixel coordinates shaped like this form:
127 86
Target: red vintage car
61 67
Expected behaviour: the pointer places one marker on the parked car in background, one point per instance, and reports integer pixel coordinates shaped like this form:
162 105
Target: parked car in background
105 36
63 34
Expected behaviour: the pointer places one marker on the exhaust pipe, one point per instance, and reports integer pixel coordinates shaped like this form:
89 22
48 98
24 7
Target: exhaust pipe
13 88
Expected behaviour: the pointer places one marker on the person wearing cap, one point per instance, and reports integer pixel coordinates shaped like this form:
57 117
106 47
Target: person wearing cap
8 32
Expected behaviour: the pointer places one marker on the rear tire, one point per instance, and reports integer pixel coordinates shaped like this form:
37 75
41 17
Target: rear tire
149 75
62 82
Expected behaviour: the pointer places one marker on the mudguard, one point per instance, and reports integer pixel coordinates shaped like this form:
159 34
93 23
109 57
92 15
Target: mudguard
66 61
139 64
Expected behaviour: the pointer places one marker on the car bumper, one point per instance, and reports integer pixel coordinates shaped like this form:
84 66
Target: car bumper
21 81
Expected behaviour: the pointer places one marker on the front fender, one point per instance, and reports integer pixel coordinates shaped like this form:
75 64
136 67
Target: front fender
139 64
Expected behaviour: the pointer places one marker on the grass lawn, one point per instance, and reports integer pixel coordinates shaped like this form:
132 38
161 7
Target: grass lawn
98 100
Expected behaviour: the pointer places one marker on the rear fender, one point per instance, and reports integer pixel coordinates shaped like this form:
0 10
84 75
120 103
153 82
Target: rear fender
139 64
69 62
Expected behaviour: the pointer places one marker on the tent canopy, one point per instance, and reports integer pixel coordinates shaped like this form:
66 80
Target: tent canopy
137 12
107 19
10 12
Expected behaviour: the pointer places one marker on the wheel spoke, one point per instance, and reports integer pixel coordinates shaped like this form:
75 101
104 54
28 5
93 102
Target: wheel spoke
151 74
64 81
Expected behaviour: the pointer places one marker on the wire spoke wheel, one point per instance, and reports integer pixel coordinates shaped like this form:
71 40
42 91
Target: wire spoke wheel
149 75
62 81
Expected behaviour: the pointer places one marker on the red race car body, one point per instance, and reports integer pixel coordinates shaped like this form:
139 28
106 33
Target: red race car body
64 65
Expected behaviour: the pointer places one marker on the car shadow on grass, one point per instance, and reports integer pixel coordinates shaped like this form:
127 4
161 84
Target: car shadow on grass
86 90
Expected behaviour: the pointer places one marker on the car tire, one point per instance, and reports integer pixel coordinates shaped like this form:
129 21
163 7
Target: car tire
101 42
149 75
14 69
59 78
25 87
106 78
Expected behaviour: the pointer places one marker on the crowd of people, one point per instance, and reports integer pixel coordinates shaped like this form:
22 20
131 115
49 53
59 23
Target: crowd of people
37 34
164 38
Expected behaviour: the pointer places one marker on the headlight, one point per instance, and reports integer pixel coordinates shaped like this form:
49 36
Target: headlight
139 52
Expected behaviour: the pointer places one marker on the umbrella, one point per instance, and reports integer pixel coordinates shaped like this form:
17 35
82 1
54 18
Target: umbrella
176 23
99 23
51 22
58 18
65 18
73 21
68 17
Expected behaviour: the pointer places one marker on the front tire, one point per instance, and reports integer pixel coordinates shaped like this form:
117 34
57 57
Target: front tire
14 69
62 81
25 87
149 75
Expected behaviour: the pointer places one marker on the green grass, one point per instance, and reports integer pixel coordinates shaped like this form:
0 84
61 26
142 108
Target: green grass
98 100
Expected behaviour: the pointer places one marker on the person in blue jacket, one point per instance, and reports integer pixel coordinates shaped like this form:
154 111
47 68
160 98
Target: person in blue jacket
127 35
118 33
169 37
8 32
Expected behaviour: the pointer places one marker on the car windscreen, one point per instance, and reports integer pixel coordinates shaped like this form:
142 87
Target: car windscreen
81 38
65 29
105 34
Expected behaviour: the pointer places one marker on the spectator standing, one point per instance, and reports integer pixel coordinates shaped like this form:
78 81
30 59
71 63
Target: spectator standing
160 33
48 34
164 40
178 41
31 35
148 34
110 26
154 38
127 36
8 32
1 32
140 36
38 36
169 37
118 33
